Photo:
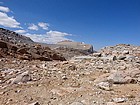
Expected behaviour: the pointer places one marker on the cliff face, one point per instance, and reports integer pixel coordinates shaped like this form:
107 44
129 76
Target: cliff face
77 45
70 49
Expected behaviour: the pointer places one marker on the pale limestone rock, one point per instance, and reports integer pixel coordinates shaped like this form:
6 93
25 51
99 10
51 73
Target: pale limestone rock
119 100
105 86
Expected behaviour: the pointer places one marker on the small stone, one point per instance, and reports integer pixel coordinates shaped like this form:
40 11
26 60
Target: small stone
24 77
104 86
17 91
72 67
64 77
125 52
76 103
121 57
2 93
97 54
111 103
35 103
119 100
9 100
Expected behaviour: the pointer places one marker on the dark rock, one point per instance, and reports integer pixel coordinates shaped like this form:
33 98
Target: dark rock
3 44
23 50
121 57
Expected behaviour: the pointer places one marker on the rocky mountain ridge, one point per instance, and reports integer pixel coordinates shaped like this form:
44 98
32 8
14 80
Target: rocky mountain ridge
13 37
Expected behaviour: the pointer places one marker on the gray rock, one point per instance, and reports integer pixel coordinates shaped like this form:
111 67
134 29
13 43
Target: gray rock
130 57
24 77
117 78
111 58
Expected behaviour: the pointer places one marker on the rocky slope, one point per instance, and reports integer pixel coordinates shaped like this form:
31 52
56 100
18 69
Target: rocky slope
109 77
28 52
12 37
13 45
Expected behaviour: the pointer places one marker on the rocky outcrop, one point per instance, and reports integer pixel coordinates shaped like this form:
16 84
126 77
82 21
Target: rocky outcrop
29 52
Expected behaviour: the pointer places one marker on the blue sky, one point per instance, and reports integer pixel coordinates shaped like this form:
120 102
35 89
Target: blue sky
97 22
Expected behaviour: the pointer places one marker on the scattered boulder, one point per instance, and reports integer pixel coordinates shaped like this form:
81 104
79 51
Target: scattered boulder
22 78
110 58
117 78
105 86
119 100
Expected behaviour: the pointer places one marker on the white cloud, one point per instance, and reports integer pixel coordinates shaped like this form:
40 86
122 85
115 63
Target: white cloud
7 21
57 34
33 27
4 9
43 25
20 31
50 37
